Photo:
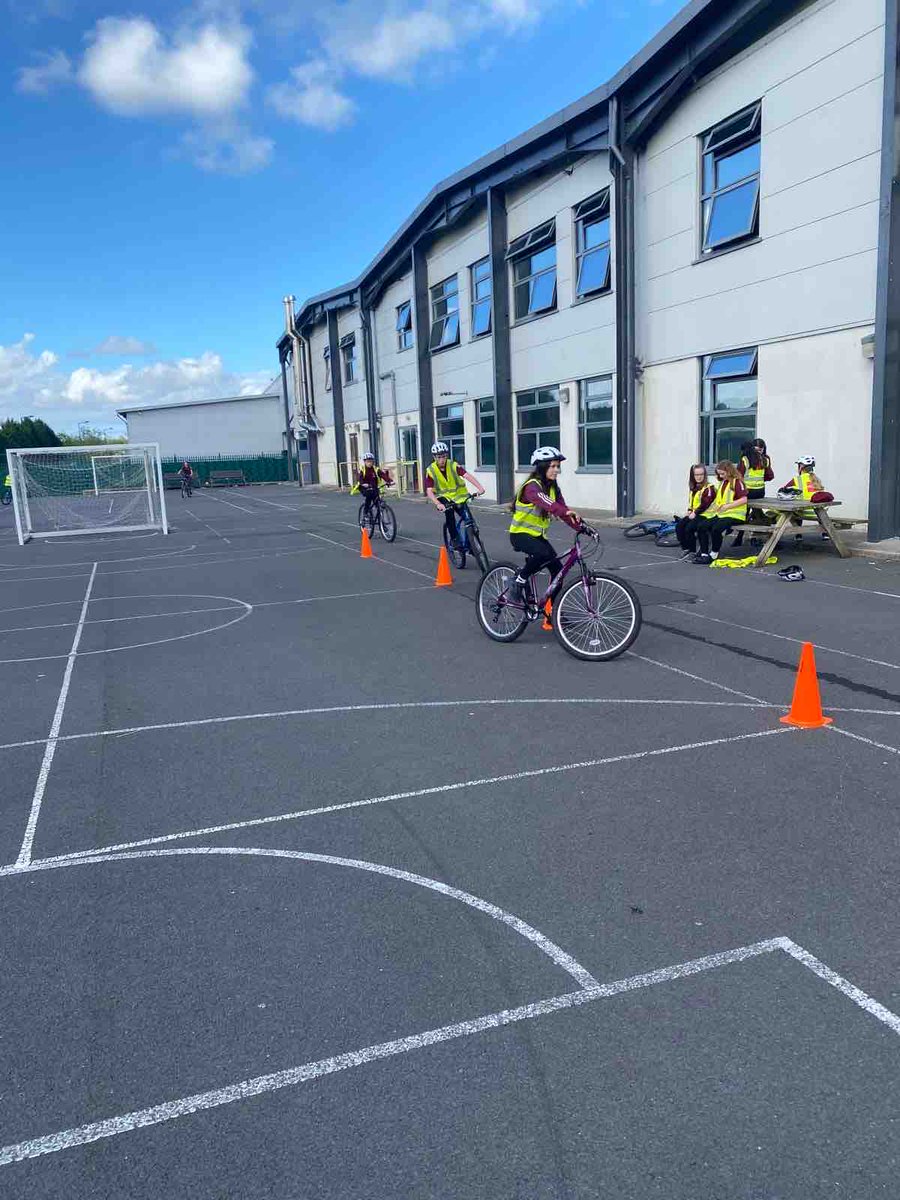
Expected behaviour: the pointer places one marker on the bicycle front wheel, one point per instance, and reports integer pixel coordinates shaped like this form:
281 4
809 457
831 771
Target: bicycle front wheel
667 537
366 520
456 556
597 618
478 551
500 619
387 523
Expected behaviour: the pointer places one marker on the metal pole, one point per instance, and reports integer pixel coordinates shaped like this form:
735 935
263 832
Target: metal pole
503 415
15 466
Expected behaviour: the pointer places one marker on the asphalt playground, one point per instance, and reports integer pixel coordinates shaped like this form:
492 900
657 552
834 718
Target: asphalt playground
311 892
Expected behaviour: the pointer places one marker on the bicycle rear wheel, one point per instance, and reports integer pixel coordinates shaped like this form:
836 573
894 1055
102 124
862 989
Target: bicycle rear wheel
500 620
597 618
478 551
642 529
667 537
387 523
366 519
456 556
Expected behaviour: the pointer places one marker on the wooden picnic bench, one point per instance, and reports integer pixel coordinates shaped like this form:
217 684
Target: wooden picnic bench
788 507
171 479
226 478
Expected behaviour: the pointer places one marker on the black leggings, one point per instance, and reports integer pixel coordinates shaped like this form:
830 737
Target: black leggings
539 553
714 531
755 515
450 516
686 531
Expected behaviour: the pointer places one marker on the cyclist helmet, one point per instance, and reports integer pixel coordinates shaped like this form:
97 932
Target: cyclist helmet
368 456
806 460
440 448
547 454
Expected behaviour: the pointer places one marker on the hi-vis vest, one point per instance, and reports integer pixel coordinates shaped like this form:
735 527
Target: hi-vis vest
807 483
754 477
528 518
696 496
724 495
447 486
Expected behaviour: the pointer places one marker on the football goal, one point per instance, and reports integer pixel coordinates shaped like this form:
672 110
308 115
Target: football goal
67 490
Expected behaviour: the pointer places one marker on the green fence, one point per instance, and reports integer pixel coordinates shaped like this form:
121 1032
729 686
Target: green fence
257 468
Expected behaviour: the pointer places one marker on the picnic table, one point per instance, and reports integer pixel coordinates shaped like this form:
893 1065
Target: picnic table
787 507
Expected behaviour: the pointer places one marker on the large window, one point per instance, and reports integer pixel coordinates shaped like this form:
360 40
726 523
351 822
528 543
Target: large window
592 245
730 191
326 354
349 358
537 416
444 314
487 433
451 429
404 325
481 288
728 405
533 258
595 422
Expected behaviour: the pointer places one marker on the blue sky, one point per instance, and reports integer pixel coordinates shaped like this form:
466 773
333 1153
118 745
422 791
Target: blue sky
171 172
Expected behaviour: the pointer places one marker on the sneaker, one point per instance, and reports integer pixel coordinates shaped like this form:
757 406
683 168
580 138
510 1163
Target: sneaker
702 560
517 591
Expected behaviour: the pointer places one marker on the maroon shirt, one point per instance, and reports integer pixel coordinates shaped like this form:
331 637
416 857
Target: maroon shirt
533 493
369 476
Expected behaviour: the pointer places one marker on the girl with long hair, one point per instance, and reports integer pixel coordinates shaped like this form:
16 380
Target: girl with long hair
728 508
701 494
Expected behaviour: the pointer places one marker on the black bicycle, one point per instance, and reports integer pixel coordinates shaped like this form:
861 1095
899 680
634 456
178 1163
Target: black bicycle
378 514
468 536
187 488
596 617
6 495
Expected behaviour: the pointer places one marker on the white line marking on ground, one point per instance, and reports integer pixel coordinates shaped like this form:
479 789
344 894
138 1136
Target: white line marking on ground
127 730
440 789
877 662
343 596
859 738
698 678
847 587
353 550
184 565
50 749
231 504
277 1080
100 562
645 566
208 526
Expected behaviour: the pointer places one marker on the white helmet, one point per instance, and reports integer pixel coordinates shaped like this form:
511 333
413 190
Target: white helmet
547 454
806 460
368 456
440 448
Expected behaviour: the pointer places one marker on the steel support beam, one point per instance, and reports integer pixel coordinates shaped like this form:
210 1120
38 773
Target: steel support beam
503 418
365 316
622 163
337 392
422 313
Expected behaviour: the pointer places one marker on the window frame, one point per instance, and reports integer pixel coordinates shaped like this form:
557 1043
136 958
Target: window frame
714 147
349 364
456 441
326 355
708 385
584 425
406 329
541 432
600 204
475 300
527 247
442 322
482 435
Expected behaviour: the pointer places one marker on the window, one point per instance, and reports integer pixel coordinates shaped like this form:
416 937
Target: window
350 360
533 258
595 422
487 433
730 191
451 429
481 286
592 245
444 314
404 326
537 414
326 354
728 405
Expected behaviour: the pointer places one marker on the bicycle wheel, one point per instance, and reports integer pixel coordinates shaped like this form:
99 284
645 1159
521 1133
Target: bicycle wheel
643 528
387 523
478 551
501 621
366 520
667 537
457 557
597 618
6 498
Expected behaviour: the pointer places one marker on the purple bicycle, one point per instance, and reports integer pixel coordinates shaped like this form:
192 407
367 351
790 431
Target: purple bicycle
595 617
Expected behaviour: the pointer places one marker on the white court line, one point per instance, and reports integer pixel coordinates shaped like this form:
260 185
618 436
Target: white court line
698 678
859 738
343 596
353 550
355 708
50 749
846 587
277 1080
184 565
877 662
231 504
208 526
100 561
440 789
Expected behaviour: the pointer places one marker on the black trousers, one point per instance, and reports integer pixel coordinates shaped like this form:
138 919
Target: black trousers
712 532
754 515
450 522
686 532
539 554
368 494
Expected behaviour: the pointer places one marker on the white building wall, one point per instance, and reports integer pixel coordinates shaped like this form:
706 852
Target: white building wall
398 391
236 427
810 276
318 343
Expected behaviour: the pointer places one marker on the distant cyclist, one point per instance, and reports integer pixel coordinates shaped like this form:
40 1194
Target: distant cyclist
369 479
186 475
444 487
537 501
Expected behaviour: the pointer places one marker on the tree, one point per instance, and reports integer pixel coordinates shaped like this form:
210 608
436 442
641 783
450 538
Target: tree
25 434
88 436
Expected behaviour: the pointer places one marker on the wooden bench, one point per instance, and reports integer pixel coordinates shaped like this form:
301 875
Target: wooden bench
787 508
171 479
226 479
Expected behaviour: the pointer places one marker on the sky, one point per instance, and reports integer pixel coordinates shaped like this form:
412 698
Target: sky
170 171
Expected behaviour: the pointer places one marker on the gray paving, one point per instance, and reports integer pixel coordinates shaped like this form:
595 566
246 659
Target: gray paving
250 667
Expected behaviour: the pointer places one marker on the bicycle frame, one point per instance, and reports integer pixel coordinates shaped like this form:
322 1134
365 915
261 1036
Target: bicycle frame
567 562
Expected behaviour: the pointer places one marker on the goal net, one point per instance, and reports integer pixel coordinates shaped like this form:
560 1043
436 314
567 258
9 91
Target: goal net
86 489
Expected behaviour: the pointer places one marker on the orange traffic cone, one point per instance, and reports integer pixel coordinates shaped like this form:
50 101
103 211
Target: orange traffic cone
806 707
365 547
548 613
443 578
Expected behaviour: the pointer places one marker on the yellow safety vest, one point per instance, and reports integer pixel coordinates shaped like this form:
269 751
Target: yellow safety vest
807 483
528 518
449 486
724 495
754 477
695 497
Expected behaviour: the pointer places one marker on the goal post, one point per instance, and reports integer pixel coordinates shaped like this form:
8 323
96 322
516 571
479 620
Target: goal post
60 491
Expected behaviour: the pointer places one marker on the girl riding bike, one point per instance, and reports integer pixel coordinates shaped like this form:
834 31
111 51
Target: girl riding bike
537 501
369 480
444 487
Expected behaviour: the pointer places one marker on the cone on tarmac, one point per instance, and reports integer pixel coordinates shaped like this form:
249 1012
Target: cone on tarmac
806 707
548 613
365 546
443 578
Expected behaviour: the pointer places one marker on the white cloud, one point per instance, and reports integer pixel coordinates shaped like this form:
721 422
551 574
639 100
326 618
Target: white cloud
116 344
33 384
396 44
227 149
130 68
53 70
313 98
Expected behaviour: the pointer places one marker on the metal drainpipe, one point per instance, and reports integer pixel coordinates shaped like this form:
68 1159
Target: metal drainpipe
288 303
625 318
